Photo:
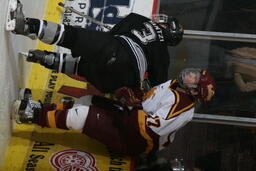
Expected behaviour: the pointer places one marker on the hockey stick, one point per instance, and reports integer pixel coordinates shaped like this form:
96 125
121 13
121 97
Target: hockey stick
85 16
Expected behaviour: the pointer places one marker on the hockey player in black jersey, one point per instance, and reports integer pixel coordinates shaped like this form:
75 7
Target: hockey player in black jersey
108 60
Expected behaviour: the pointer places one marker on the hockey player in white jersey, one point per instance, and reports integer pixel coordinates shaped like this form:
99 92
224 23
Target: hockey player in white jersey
146 128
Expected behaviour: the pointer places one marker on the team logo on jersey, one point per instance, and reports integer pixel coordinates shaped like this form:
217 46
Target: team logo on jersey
146 35
73 159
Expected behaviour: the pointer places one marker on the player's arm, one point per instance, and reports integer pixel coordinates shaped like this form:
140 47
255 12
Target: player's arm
158 73
108 104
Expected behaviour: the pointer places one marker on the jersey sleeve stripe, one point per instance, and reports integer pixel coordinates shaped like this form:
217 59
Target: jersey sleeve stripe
173 111
173 108
51 119
171 115
142 125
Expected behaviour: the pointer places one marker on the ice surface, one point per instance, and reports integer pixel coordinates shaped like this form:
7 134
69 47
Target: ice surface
13 69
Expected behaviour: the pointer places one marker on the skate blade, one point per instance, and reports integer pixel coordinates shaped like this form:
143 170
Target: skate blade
10 23
15 111
25 54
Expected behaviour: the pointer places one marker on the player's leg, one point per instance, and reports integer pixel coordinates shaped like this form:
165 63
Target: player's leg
46 31
59 62
79 40
107 72
96 122
93 121
64 115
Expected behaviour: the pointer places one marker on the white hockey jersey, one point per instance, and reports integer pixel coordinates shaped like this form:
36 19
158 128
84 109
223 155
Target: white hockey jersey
167 110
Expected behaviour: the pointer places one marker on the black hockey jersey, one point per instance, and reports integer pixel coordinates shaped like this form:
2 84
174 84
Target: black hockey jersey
150 37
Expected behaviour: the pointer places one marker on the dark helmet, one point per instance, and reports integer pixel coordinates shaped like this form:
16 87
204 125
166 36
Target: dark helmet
174 31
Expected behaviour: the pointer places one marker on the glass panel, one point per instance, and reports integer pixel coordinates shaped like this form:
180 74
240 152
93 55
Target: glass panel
233 65
238 16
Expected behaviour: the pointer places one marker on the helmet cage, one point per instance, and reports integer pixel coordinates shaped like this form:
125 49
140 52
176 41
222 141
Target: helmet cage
160 18
205 87
174 31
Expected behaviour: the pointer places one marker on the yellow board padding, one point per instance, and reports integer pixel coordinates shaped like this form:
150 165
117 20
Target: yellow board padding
18 148
32 147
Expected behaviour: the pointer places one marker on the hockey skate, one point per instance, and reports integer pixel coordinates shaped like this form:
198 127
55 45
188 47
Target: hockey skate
24 110
10 19
45 58
16 21
25 94
36 56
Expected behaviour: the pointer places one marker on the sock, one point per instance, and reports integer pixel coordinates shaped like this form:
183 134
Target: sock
52 115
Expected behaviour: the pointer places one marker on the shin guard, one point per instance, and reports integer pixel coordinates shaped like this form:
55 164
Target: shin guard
50 33
60 62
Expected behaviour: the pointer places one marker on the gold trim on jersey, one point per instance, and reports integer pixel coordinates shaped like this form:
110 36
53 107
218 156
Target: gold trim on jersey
149 93
173 111
60 106
51 115
51 119
171 114
142 116
177 101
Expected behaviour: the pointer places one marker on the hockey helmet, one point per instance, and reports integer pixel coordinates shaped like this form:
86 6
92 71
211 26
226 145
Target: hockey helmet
206 87
174 31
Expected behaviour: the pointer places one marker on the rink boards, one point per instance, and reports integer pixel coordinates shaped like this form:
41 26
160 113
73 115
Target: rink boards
34 148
